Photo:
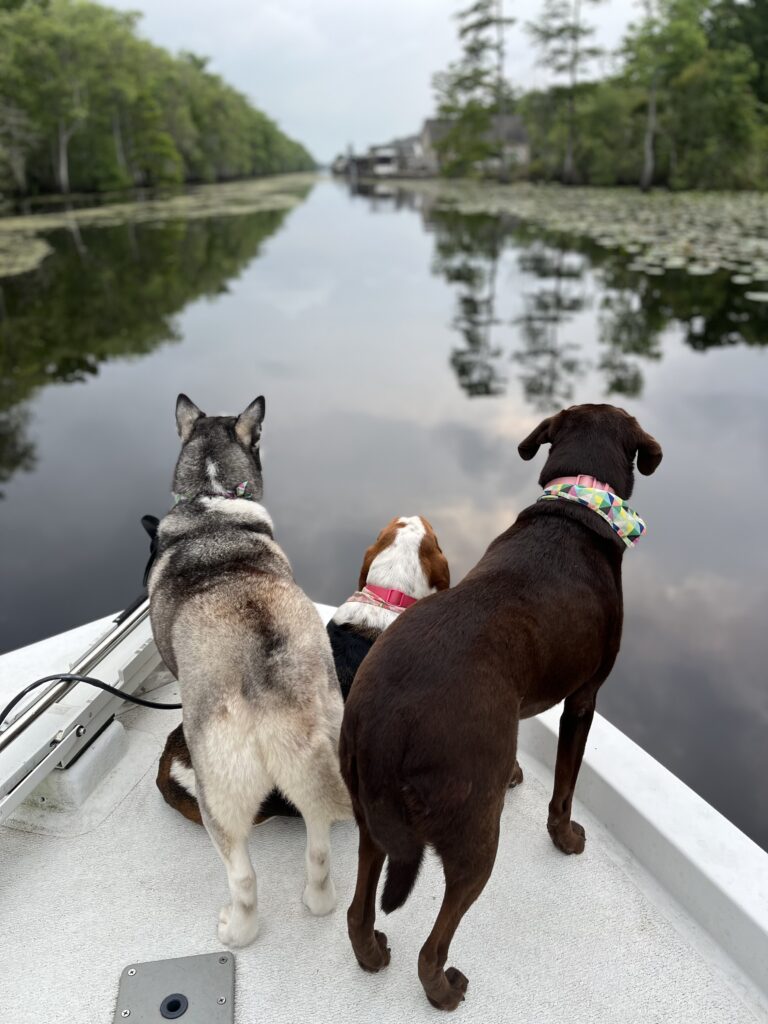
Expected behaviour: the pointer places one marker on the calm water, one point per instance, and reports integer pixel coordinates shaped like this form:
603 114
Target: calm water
404 351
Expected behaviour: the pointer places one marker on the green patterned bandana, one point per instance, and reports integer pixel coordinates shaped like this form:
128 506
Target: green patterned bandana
623 520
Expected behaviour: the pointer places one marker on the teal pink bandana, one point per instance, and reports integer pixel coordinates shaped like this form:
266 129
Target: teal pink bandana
598 496
242 490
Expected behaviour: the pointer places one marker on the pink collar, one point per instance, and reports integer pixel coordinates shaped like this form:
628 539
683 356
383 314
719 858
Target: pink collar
582 480
382 597
393 597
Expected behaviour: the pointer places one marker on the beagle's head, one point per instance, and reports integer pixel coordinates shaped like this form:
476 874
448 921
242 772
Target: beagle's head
407 557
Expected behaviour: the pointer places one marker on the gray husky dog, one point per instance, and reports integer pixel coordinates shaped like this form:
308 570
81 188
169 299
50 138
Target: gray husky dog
261 701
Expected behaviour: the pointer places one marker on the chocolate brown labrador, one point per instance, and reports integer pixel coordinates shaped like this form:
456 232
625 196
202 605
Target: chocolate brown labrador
429 735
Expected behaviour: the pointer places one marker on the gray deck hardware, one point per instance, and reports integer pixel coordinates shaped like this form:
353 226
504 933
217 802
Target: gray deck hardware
191 989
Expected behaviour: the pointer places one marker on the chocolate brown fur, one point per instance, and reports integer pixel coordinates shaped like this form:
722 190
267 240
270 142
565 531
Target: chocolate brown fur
429 734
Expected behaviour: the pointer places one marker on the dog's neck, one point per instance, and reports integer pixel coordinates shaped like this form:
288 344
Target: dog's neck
193 512
601 499
397 568
364 616
244 491
607 464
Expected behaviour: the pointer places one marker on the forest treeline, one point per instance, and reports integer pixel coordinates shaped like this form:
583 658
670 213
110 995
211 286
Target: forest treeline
88 105
685 104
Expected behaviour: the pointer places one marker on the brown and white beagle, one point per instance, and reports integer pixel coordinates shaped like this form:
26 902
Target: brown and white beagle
404 564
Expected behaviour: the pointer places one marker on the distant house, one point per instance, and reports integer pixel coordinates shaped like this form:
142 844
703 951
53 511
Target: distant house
384 162
509 126
417 155
410 156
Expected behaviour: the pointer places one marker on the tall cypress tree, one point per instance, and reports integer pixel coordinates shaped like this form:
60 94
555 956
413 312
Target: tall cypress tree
563 40
473 89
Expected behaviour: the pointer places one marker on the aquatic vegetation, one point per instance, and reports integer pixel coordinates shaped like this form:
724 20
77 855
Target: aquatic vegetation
21 248
21 252
701 233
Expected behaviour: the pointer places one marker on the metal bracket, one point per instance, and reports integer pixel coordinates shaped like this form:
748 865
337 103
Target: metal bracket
191 989
51 732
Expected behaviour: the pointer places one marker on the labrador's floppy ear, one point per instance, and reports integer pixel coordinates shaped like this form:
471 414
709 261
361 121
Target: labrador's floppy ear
248 425
649 454
187 415
543 434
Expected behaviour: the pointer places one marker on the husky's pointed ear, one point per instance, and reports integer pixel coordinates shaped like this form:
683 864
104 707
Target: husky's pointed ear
248 425
649 454
187 415
543 434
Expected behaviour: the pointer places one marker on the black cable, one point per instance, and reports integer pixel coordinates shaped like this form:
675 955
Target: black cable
68 677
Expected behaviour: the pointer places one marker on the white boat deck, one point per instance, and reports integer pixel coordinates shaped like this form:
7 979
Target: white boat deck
552 939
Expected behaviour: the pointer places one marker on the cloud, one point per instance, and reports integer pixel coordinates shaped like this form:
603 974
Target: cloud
334 72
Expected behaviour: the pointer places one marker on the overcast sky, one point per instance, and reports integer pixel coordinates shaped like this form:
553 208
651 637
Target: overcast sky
333 72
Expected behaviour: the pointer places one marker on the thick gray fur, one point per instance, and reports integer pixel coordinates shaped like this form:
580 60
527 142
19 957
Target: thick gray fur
261 702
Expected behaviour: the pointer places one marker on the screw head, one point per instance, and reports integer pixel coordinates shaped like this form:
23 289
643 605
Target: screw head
80 731
126 1013
221 1000
132 972
222 959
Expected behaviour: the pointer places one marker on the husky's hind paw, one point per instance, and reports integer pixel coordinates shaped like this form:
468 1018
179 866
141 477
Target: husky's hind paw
320 900
237 929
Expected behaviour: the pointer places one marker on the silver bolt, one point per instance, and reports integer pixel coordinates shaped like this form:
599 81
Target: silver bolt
222 959
126 1013
221 1000
80 731
132 971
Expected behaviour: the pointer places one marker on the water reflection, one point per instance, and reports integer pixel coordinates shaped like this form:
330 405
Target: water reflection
563 276
105 294
467 252
366 328
550 364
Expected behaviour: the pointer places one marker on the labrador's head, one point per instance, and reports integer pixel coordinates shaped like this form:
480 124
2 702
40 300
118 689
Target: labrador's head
598 440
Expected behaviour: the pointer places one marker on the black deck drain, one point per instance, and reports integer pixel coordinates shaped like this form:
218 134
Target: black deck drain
174 1006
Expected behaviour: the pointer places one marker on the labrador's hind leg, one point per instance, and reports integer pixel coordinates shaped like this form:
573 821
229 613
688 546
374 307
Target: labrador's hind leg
370 946
467 869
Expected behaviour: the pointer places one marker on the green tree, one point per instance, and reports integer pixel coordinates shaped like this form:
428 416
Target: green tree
717 123
86 104
743 22
18 138
656 52
562 38
473 89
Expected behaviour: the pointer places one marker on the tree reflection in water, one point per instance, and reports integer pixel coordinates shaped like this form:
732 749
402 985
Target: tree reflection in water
550 365
633 309
108 293
467 252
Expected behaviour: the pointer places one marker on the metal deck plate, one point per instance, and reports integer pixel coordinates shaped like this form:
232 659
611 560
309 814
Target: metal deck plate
190 989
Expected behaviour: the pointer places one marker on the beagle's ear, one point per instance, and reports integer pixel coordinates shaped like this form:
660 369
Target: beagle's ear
187 415
543 434
649 454
370 554
434 563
